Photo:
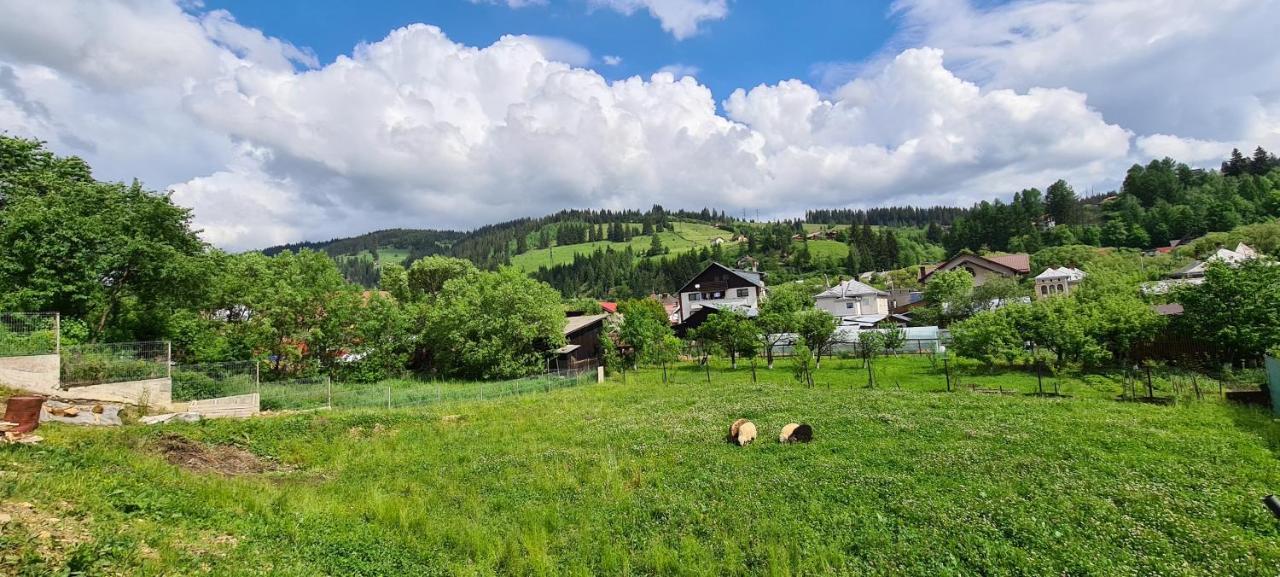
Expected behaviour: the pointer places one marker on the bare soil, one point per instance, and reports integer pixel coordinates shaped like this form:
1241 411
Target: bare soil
219 459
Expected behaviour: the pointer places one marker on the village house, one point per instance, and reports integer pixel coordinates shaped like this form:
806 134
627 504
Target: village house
853 299
1193 273
721 287
983 268
1057 281
582 349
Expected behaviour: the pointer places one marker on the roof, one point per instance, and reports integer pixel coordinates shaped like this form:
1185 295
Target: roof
609 307
1020 262
753 277
1171 309
567 349
1016 263
850 288
1068 273
575 324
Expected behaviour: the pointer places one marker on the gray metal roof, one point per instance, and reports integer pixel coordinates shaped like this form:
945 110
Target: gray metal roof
850 288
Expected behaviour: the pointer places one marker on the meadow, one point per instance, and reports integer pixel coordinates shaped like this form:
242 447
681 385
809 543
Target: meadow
686 236
635 478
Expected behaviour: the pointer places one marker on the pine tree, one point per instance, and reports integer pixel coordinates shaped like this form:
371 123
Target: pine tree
1236 166
1261 163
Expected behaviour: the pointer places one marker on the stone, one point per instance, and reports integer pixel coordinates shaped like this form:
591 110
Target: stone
71 413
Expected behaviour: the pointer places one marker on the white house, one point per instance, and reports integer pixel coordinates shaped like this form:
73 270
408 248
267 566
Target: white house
1057 281
854 301
1193 274
721 287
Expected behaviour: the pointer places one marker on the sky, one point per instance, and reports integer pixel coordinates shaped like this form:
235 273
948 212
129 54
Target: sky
289 120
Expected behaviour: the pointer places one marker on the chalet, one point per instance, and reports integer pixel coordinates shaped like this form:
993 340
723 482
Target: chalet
1057 281
721 287
984 268
582 347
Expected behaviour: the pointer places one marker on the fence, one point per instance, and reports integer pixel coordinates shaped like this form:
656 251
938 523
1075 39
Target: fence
95 364
29 334
196 382
321 393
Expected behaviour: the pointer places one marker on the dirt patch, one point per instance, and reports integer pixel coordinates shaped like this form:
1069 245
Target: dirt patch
54 531
220 459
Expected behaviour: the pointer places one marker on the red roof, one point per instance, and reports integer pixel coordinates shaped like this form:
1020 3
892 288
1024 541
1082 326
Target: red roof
609 307
1020 262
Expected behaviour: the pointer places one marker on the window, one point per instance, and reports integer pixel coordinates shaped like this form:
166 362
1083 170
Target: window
848 305
1044 289
694 296
1061 289
742 293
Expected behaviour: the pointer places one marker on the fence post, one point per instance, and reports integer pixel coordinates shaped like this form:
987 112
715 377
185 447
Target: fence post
168 359
388 397
57 333
328 391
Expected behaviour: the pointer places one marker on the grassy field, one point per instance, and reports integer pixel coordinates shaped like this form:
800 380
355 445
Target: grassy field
687 235
635 479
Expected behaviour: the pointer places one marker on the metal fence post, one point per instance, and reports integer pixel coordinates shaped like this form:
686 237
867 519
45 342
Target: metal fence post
57 333
388 397
328 391
168 359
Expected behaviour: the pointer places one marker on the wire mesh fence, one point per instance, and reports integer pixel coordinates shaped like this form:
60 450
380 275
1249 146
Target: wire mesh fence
197 382
95 364
28 334
322 393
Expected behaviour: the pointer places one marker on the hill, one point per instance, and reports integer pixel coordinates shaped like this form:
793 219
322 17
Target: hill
636 479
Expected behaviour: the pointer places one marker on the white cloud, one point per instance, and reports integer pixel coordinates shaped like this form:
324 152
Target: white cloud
679 70
679 17
611 60
1208 72
562 50
270 146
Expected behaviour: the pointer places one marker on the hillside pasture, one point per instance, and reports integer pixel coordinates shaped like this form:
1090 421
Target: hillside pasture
686 236
635 478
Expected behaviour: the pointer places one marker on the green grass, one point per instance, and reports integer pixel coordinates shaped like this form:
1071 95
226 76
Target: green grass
687 235
820 249
388 255
635 479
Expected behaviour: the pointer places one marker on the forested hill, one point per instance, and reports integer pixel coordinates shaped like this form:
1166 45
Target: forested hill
602 253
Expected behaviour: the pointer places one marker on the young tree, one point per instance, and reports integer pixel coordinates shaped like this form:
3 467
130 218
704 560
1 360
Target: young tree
892 336
870 345
802 364
816 330
947 295
777 318
731 333
987 337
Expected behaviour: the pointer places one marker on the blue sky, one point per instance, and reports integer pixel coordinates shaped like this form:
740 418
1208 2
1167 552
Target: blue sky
246 113
760 42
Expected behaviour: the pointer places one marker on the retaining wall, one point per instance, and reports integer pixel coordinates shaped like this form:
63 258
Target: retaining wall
37 373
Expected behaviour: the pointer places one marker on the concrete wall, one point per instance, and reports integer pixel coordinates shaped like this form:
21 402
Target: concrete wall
40 374
37 373
156 394
237 406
